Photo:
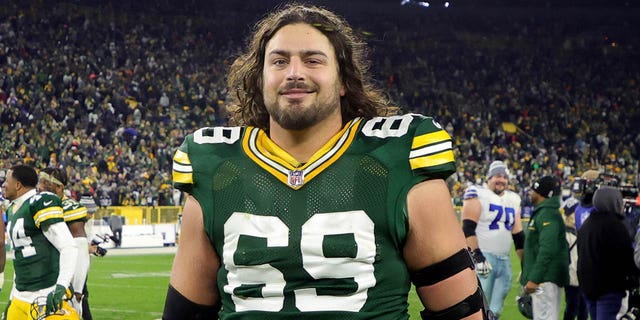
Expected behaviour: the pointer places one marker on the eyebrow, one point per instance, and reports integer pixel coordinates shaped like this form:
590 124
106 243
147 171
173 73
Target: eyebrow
304 53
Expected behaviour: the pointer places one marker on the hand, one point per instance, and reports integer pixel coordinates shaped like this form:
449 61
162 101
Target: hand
99 251
76 302
531 287
55 298
483 267
1 280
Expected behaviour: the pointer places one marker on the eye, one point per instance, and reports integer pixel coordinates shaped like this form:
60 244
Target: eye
314 61
279 62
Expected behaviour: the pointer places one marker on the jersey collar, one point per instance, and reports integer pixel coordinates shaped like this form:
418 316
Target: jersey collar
17 203
269 156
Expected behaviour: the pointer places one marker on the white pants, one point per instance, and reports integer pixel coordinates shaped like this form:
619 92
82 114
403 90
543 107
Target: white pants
546 304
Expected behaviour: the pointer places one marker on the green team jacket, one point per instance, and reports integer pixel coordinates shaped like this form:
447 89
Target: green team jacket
546 252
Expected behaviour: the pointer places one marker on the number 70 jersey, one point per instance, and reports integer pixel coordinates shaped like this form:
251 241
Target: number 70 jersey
497 218
319 240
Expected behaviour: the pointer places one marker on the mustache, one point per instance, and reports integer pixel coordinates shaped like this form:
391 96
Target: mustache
297 85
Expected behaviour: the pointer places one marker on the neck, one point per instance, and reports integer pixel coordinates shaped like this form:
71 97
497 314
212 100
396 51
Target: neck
22 192
302 144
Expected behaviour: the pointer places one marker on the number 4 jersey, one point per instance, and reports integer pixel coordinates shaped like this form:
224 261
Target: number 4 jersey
319 240
36 260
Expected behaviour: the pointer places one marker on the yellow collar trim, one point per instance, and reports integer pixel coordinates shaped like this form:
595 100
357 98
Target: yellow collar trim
269 156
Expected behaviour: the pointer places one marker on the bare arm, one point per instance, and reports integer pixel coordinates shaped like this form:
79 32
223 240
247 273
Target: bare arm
77 229
195 266
471 210
435 235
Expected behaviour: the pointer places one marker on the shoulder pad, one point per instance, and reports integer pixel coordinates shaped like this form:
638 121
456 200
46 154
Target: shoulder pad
45 199
73 211
471 192
46 208
203 142
430 146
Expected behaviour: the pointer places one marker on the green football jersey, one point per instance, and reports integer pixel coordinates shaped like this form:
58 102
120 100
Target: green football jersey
319 240
73 210
36 260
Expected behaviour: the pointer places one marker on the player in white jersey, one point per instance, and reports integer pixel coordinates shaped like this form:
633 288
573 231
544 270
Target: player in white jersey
490 221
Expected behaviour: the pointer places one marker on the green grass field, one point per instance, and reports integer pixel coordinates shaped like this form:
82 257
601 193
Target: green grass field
134 287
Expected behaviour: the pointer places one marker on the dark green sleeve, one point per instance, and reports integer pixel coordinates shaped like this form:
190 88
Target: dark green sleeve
549 227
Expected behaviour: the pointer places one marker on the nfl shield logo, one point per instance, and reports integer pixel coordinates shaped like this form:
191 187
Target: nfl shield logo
296 178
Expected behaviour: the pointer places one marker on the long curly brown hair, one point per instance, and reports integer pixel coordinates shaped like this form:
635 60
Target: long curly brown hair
245 76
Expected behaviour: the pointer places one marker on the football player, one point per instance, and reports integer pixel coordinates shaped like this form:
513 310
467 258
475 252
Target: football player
490 221
54 180
317 206
45 253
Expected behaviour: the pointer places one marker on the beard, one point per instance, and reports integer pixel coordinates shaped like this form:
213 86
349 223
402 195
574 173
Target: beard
300 114
499 189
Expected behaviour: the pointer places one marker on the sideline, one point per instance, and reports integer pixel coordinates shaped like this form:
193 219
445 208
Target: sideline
141 251
128 251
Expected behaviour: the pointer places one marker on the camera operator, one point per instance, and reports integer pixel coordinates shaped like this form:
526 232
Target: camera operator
584 189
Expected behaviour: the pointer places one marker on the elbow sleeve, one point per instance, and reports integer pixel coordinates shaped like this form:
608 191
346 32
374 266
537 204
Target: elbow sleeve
469 228
518 240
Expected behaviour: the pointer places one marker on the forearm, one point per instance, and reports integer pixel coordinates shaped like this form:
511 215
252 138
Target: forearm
472 241
520 254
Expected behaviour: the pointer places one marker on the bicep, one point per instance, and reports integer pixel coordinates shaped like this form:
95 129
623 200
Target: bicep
196 263
77 228
434 230
435 235
517 225
471 209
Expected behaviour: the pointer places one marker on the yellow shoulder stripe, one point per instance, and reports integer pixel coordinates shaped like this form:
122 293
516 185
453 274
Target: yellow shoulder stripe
75 214
431 149
432 160
182 170
46 214
430 138
181 157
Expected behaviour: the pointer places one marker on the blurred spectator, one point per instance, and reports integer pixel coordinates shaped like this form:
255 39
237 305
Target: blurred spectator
575 305
115 223
571 101
606 269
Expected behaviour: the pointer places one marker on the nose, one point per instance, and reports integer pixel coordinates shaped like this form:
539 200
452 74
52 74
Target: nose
295 70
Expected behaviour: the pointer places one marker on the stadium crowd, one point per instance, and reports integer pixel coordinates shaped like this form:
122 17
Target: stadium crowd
108 94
